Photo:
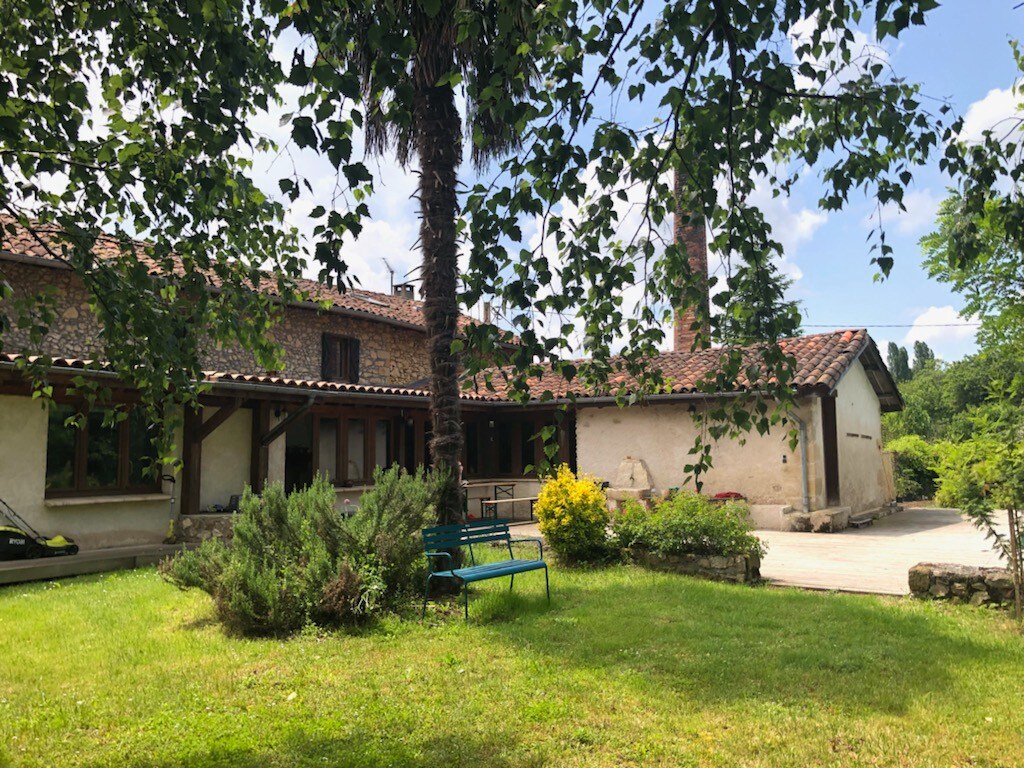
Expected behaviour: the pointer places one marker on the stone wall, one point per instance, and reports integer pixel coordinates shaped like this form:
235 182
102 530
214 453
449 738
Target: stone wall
388 354
75 332
198 528
961 583
734 568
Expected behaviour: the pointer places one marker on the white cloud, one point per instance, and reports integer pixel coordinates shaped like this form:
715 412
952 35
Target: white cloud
864 51
944 330
791 226
998 107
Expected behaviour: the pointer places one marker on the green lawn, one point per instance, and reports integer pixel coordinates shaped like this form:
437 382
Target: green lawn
626 667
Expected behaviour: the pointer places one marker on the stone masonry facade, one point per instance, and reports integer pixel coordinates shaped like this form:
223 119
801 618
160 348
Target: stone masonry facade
389 354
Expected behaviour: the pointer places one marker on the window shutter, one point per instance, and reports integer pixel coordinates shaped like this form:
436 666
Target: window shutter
353 360
329 358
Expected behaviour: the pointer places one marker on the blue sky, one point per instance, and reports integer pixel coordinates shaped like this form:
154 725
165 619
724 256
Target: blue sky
962 54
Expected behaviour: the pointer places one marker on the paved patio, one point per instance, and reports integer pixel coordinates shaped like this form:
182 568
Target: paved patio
877 558
873 559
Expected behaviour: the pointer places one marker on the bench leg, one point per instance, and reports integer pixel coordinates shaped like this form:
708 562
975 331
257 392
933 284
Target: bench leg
547 584
512 582
426 591
465 598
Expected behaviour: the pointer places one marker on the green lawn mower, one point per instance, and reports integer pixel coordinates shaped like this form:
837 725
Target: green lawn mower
20 541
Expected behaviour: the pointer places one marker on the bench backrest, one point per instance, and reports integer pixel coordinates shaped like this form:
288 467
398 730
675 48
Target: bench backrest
443 537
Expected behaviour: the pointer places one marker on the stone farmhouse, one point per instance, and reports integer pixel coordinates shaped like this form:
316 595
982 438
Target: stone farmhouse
350 397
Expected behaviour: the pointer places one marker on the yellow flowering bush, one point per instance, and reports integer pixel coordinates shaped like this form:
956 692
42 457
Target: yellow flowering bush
572 513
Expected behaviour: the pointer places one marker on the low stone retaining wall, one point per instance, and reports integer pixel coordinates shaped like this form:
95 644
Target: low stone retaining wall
205 525
961 583
735 568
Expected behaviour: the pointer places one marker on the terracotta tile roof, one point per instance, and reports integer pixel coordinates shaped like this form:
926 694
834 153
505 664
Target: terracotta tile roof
821 360
218 377
355 300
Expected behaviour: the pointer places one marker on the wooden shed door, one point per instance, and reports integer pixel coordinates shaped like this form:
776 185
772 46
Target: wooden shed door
831 445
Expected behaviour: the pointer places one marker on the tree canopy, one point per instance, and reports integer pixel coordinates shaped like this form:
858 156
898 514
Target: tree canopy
992 283
132 118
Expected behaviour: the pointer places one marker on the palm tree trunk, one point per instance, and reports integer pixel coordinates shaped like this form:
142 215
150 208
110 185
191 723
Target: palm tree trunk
439 147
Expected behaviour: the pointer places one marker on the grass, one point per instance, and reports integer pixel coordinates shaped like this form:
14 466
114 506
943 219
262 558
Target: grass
626 667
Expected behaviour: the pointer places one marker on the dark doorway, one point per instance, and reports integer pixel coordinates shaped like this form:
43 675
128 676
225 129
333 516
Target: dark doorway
298 454
408 449
831 445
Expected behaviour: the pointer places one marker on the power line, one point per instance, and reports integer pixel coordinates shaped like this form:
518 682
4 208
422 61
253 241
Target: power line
888 325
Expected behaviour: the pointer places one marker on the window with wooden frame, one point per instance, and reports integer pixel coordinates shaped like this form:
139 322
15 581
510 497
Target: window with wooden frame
97 457
340 360
348 448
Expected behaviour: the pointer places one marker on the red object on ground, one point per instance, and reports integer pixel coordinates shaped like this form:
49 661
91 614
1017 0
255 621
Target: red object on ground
728 495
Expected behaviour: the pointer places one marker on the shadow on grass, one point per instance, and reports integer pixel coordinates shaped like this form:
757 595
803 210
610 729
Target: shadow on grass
723 643
302 748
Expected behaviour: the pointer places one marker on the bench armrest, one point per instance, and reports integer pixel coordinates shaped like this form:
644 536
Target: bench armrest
533 539
430 562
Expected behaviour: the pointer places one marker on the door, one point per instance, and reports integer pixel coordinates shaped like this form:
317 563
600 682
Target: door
831 445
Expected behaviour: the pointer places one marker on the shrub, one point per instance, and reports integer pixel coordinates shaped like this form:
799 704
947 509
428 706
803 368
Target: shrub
687 524
384 534
284 551
198 568
915 462
572 513
295 560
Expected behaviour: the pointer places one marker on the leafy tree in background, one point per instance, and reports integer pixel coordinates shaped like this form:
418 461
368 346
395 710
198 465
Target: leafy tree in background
130 119
992 283
898 362
924 357
984 477
749 95
982 223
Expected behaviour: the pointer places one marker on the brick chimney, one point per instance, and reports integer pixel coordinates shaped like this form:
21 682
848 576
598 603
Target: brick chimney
690 234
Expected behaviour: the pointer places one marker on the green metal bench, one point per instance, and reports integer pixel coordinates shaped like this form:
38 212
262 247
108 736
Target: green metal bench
446 537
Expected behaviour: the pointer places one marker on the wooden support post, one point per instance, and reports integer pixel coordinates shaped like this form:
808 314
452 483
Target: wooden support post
223 413
192 461
269 437
419 432
259 461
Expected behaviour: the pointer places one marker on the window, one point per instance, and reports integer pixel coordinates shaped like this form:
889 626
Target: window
504 448
527 447
382 444
340 360
472 448
356 450
96 457
328 454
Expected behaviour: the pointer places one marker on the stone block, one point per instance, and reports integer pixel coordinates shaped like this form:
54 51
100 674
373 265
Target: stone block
1000 586
938 589
830 520
797 522
979 598
919 579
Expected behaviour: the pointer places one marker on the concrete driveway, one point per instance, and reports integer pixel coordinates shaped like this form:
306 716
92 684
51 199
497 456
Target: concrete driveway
873 559
877 558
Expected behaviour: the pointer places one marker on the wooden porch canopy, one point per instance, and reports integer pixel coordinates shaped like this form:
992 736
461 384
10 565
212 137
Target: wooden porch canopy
266 396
